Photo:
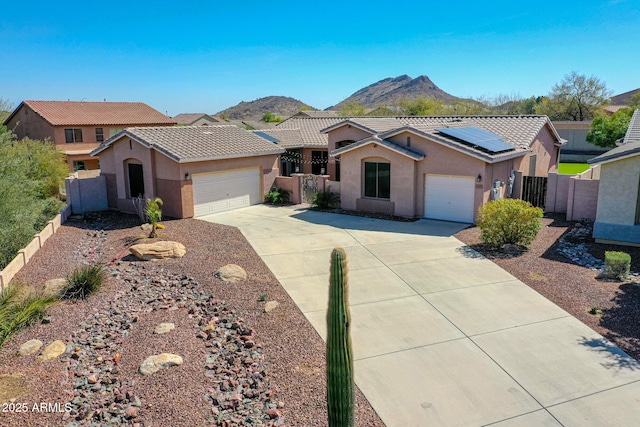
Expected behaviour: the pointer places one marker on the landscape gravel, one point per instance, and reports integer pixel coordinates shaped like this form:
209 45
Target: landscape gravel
241 366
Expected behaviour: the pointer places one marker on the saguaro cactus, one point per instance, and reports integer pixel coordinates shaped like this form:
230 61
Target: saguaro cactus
340 393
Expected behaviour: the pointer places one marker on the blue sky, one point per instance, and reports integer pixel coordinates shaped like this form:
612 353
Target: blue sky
204 56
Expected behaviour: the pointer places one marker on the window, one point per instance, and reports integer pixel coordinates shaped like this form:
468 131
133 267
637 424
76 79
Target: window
113 131
377 180
532 164
73 135
136 180
79 166
99 134
319 162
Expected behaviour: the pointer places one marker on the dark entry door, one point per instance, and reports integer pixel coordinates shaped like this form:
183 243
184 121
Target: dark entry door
136 180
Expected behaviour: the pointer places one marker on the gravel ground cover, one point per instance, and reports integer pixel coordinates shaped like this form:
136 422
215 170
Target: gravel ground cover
241 365
609 307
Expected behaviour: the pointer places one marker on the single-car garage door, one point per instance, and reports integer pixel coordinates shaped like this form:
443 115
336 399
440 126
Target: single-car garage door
449 198
223 191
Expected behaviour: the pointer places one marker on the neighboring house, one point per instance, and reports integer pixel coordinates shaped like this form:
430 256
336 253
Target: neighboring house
436 167
196 119
577 149
77 128
195 170
618 212
316 114
618 102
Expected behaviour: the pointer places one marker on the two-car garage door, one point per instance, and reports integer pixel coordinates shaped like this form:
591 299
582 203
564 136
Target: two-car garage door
223 191
449 198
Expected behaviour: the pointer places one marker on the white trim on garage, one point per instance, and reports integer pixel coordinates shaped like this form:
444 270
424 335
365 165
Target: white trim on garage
224 191
449 198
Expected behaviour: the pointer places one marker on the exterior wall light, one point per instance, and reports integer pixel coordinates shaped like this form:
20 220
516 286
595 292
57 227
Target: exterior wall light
479 178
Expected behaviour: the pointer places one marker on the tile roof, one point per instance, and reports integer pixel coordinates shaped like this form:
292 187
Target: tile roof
630 147
383 142
316 114
190 118
310 128
286 138
74 113
186 144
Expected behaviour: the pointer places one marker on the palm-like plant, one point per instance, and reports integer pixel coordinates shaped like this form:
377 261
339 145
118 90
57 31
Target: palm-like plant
154 214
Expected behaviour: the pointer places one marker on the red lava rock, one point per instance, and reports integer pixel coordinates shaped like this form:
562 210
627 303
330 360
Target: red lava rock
273 413
131 412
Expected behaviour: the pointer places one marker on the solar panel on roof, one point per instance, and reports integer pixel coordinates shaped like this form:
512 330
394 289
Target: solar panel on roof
267 136
481 138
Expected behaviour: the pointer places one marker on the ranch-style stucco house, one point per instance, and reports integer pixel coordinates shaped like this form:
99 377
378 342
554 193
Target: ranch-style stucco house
77 128
618 211
195 170
436 167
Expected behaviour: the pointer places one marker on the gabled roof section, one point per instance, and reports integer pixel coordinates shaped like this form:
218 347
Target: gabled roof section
373 125
630 147
190 118
519 131
414 155
314 113
285 138
310 128
186 144
74 113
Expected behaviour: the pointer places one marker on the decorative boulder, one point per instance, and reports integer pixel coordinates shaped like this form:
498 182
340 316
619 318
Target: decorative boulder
153 364
158 250
53 350
29 347
231 273
164 328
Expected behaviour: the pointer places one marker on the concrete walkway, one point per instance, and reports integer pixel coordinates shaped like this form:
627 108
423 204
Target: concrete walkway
441 335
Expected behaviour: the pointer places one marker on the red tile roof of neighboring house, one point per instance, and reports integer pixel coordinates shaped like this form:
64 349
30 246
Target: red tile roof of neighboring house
74 113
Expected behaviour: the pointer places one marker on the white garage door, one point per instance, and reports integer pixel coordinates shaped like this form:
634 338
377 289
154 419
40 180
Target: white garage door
449 198
223 191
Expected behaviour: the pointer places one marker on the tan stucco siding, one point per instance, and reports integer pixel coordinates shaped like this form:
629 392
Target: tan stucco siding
618 192
345 133
402 178
27 123
546 155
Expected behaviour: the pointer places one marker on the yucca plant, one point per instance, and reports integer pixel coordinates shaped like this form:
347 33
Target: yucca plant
154 214
19 309
83 281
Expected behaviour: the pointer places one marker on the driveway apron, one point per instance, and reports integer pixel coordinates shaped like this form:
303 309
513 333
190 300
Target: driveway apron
441 335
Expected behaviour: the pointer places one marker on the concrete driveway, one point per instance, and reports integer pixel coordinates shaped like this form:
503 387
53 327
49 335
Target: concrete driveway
441 335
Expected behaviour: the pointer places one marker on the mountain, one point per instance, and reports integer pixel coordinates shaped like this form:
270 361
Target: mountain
278 105
392 89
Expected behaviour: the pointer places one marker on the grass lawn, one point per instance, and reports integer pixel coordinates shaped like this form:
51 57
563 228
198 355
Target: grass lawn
572 168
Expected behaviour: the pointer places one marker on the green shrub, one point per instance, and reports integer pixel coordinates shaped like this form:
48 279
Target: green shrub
154 214
325 199
84 281
19 309
506 221
617 264
277 196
